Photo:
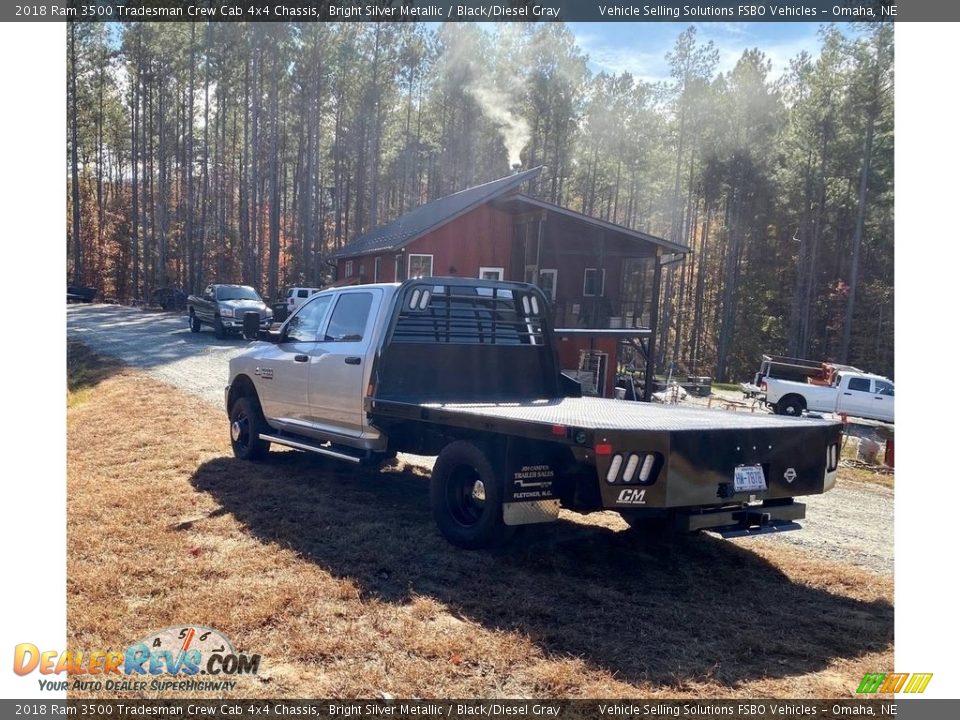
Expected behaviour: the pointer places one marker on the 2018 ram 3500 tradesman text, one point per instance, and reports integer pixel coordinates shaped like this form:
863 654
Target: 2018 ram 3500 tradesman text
467 370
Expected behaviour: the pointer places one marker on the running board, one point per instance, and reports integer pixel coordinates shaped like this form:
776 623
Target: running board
309 448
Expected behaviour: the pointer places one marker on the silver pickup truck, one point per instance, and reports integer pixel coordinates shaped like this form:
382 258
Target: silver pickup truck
223 307
467 370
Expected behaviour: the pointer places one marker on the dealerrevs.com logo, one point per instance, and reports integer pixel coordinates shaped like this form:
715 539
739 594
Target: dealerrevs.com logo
181 658
894 683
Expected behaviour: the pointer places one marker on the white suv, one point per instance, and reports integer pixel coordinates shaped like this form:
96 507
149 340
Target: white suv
297 296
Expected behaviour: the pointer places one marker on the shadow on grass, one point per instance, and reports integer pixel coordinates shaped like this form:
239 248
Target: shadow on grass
86 369
666 613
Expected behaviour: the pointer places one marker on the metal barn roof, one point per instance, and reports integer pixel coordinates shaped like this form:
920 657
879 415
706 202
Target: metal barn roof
419 221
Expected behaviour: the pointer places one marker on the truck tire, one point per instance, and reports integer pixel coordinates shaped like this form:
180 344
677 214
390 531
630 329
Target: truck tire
218 330
466 497
246 424
792 405
194 322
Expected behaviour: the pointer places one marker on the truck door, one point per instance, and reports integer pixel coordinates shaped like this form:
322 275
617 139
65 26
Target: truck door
286 366
855 397
339 362
883 400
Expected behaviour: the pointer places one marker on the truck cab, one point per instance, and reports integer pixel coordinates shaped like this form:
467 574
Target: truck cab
863 395
311 380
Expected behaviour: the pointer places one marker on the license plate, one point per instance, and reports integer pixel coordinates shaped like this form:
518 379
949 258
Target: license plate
748 478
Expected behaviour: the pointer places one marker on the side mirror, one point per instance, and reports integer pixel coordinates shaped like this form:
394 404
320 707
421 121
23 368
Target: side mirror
251 325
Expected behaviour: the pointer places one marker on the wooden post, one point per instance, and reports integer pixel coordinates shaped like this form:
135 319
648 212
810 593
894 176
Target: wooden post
652 340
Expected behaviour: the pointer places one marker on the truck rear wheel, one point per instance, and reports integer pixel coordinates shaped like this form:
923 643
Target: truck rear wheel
467 498
791 405
246 424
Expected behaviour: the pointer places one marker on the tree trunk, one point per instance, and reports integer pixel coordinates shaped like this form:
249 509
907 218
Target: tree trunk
74 163
857 239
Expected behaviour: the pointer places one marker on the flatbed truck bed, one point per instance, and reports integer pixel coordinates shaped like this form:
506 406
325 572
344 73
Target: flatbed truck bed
467 370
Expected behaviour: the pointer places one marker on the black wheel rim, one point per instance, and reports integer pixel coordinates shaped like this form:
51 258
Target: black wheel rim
240 431
466 496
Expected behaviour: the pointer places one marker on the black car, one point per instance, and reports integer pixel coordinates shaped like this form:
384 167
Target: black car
169 298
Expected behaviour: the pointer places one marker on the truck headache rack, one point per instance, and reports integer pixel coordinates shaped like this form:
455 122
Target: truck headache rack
469 315
497 335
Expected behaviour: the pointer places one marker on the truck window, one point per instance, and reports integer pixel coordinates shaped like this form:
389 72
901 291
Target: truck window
349 318
302 293
239 292
884 388
305 325
859 384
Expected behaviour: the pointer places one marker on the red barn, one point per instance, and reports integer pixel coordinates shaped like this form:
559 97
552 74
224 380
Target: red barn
603 278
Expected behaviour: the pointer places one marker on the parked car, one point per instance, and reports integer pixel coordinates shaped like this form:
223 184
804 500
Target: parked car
223 307
80 294
468 370
169 298
852 393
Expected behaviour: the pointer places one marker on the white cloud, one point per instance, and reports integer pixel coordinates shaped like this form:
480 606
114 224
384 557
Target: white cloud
779 52
647 58
647 64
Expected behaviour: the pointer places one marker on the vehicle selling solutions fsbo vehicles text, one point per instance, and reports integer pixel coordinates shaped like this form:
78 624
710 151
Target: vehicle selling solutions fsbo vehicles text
707 11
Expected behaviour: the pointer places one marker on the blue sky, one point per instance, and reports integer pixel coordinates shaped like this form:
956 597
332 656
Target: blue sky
641 48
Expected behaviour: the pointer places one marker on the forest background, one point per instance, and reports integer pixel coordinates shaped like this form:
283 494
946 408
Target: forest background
247 152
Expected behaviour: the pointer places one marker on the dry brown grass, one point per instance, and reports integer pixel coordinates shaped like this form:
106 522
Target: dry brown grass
880 475
340 580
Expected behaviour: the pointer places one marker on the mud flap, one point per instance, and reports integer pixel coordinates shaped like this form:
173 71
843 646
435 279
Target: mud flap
528 513
529 472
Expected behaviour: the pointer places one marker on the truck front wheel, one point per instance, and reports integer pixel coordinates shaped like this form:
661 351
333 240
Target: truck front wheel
246 424
467 498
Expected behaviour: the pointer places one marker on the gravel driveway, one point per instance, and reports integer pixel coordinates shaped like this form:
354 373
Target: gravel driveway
852 524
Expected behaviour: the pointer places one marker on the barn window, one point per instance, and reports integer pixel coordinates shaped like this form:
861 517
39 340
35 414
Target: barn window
420 266
593 280
348 269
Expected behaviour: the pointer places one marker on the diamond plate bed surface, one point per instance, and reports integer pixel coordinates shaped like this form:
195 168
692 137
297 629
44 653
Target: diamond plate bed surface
606 414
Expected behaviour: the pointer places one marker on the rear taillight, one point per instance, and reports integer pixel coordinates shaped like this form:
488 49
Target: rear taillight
637 467
613 472
833 456
763 385
647 468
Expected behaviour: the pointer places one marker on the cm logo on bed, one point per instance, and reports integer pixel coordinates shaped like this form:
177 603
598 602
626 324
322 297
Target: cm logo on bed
632 496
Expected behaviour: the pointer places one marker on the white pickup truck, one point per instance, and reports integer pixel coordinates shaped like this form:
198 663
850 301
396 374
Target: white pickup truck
852 393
